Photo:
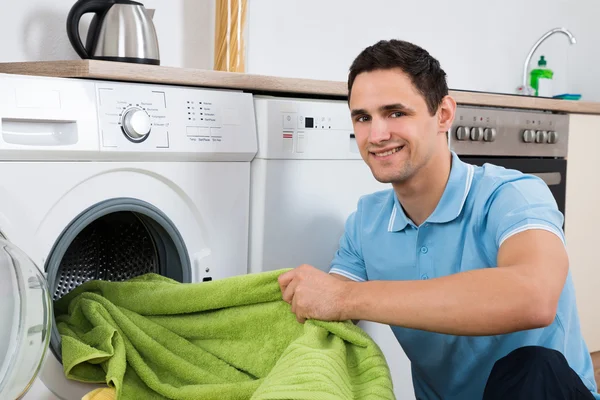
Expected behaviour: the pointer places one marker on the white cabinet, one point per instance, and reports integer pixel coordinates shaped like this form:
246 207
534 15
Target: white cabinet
582 223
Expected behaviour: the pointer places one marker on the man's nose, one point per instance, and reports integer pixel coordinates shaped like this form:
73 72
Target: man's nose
379 131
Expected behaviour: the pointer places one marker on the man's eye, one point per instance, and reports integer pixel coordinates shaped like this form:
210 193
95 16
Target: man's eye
397 114
362 118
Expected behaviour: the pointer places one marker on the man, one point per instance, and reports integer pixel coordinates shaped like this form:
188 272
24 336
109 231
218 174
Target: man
466 264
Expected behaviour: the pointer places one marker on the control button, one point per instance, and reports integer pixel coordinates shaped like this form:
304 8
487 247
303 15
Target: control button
476 133
288 142
204 132
289 121
462 132
215 134
528 135
489 134
191 131
552 137
199 135
136 124
424 249
162 139
300 142
541 136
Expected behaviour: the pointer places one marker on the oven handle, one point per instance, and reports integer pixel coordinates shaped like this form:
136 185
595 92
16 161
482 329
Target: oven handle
551 178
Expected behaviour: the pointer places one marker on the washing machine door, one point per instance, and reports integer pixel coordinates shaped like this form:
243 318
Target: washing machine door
25 321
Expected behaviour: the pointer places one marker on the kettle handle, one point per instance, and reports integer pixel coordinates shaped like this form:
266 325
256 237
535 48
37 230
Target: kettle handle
81 7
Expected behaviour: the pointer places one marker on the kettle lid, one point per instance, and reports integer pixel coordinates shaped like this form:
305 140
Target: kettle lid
127 2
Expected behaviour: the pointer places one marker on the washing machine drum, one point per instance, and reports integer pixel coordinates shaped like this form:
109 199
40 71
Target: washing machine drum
116 247
115 240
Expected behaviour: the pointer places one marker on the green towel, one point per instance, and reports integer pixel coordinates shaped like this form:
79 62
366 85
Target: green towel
153 338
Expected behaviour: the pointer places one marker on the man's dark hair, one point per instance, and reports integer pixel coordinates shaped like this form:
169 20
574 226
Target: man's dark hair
424 71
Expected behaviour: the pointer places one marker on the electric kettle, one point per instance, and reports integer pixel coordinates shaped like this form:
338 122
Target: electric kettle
121 30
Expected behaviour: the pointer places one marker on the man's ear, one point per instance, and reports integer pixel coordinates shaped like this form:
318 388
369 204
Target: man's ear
446 112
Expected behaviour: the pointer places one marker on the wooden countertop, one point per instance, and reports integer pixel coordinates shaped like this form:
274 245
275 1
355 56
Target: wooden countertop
107 70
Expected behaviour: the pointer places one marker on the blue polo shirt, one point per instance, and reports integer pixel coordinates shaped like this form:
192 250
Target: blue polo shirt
480 208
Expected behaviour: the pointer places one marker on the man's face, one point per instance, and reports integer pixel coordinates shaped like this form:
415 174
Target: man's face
394 130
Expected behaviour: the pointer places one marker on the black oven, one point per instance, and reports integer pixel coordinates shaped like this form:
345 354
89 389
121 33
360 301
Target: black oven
553 171
531 141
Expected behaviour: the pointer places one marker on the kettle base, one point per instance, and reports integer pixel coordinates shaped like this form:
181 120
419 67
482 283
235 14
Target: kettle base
133 60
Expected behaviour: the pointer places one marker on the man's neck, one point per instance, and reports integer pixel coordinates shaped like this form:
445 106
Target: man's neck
420 195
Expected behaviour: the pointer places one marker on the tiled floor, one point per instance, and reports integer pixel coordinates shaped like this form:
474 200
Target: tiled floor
596 361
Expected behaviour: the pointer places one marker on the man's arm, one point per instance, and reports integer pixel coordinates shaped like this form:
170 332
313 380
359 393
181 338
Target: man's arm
522 292
343 278
340 277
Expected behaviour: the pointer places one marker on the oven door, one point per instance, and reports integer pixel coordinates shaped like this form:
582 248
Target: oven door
553 171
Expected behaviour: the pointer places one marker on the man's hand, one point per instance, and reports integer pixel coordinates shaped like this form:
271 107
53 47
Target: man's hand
314 294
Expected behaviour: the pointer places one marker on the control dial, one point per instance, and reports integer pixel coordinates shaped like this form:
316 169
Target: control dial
462 133
540 136
476 133
552 137
528 135
489 134
136 124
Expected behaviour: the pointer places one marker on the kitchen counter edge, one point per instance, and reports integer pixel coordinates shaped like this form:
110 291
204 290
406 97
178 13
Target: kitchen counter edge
116 71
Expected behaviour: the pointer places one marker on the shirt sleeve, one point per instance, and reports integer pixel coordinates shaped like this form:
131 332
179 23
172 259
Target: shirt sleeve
348 260
522 204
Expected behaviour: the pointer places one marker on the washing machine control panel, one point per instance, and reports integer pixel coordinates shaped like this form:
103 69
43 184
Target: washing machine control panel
55 118
174 120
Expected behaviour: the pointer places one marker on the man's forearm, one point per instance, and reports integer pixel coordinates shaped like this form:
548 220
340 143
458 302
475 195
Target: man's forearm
480 302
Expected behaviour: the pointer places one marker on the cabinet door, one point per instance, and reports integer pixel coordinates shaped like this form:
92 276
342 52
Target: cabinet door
583 221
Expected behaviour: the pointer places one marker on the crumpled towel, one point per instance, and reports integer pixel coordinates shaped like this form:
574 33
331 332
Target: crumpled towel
153 338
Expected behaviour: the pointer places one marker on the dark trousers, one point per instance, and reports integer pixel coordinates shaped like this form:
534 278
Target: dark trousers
532 373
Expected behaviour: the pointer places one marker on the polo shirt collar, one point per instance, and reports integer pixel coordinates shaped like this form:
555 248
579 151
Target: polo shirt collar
452 200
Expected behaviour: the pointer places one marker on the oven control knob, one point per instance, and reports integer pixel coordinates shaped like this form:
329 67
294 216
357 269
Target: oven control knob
541 136
489 134
136 124
476 133
462 132
552 137
528 135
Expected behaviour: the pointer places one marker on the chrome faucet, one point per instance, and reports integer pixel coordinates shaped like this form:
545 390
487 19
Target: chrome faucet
525 88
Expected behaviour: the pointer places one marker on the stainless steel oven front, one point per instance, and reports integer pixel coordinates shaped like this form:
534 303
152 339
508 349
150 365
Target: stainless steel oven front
533 142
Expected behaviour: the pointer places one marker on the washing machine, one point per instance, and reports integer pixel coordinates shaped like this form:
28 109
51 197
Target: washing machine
111 180
306 179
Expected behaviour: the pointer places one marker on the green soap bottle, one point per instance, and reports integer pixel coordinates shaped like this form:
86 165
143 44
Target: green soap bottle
541 79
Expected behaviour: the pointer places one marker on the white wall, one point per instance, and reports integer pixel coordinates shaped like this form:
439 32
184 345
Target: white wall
319 39
471 38
34 30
